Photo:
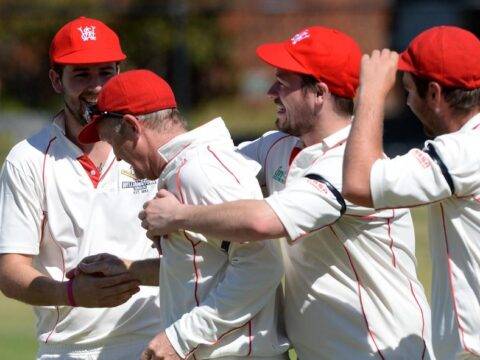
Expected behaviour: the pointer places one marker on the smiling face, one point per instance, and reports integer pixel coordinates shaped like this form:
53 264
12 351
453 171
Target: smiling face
80 86
295 110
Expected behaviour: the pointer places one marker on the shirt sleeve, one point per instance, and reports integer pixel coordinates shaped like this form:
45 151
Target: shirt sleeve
252 277
418 177
306 205
258 150
236 299
20 212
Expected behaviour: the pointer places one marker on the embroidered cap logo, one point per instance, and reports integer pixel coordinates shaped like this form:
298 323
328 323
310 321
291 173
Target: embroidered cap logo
87 33
300 36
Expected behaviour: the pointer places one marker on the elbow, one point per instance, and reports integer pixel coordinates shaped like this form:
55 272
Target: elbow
357 194
4 288
261 229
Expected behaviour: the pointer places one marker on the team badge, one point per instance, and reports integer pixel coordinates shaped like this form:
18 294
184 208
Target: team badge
305 34
87 33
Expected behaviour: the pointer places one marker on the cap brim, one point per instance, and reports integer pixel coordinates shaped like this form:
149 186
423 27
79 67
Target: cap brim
89 133
88 56
405 63
276 54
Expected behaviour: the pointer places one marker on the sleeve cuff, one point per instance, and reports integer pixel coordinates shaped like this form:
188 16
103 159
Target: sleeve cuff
274 202
174 339
24 250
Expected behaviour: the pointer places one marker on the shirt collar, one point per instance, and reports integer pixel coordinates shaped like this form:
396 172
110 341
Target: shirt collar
59 121
472 123
336 138
213 131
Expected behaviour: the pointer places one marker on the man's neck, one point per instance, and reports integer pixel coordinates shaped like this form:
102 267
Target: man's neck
324 127
98 152
157 139
456 122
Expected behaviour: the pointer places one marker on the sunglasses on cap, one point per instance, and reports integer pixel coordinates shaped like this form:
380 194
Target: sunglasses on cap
92 110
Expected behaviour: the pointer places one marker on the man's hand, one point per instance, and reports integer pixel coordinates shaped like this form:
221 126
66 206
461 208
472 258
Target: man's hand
103 265
378 72
160 348
94 291
159 216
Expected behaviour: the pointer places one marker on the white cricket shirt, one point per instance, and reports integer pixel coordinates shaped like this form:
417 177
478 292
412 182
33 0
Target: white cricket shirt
218 300
351 285
50 208
454 227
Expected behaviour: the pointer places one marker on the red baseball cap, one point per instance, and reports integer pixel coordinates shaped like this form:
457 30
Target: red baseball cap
134 92
327 54
85 41
448 55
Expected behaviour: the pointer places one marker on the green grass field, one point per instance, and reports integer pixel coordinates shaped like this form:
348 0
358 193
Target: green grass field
17 321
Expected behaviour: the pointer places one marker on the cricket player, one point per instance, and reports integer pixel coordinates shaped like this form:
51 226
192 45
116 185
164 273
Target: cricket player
351 286
218 300
61 200
441 75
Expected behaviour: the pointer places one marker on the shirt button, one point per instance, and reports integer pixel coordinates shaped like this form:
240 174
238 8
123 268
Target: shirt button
92 172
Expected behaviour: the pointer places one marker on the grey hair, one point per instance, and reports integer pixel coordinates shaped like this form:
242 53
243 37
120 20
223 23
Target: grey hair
163 119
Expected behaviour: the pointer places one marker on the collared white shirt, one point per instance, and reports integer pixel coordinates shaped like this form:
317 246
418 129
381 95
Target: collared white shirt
454 227
351 285
218 300
50 209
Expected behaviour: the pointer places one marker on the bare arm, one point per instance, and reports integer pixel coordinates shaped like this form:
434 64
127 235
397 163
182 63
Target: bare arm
364 145
237 221
21 281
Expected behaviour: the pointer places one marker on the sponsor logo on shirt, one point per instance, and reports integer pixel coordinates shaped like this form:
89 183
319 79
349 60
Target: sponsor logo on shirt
138 186
319 186
280 175
422 158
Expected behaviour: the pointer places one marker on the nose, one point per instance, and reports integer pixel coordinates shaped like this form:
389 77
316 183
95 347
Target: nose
273 91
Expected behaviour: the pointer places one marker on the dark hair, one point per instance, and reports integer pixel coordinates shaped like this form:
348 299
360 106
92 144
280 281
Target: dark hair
58 69
342 105
460 100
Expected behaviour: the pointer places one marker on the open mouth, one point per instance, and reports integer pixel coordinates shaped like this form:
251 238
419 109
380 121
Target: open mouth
280 107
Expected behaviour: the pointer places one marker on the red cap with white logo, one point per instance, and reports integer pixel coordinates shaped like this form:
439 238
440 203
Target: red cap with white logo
85 41
134 92
327 54
446 54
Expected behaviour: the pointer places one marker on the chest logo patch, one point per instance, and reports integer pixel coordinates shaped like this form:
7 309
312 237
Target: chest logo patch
138 186
280 175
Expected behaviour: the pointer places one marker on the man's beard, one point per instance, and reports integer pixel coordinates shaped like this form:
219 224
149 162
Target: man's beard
81 115
298 129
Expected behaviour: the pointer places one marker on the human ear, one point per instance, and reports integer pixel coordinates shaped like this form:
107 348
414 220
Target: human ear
56 80
131 127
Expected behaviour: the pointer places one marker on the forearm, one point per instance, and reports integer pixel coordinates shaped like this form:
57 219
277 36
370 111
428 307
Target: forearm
22 282
237 221
364 147
146 271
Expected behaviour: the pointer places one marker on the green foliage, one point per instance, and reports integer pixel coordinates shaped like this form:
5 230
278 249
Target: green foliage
5 146
185 46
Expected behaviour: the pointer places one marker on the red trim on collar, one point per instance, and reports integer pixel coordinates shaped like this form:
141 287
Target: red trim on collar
91 169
